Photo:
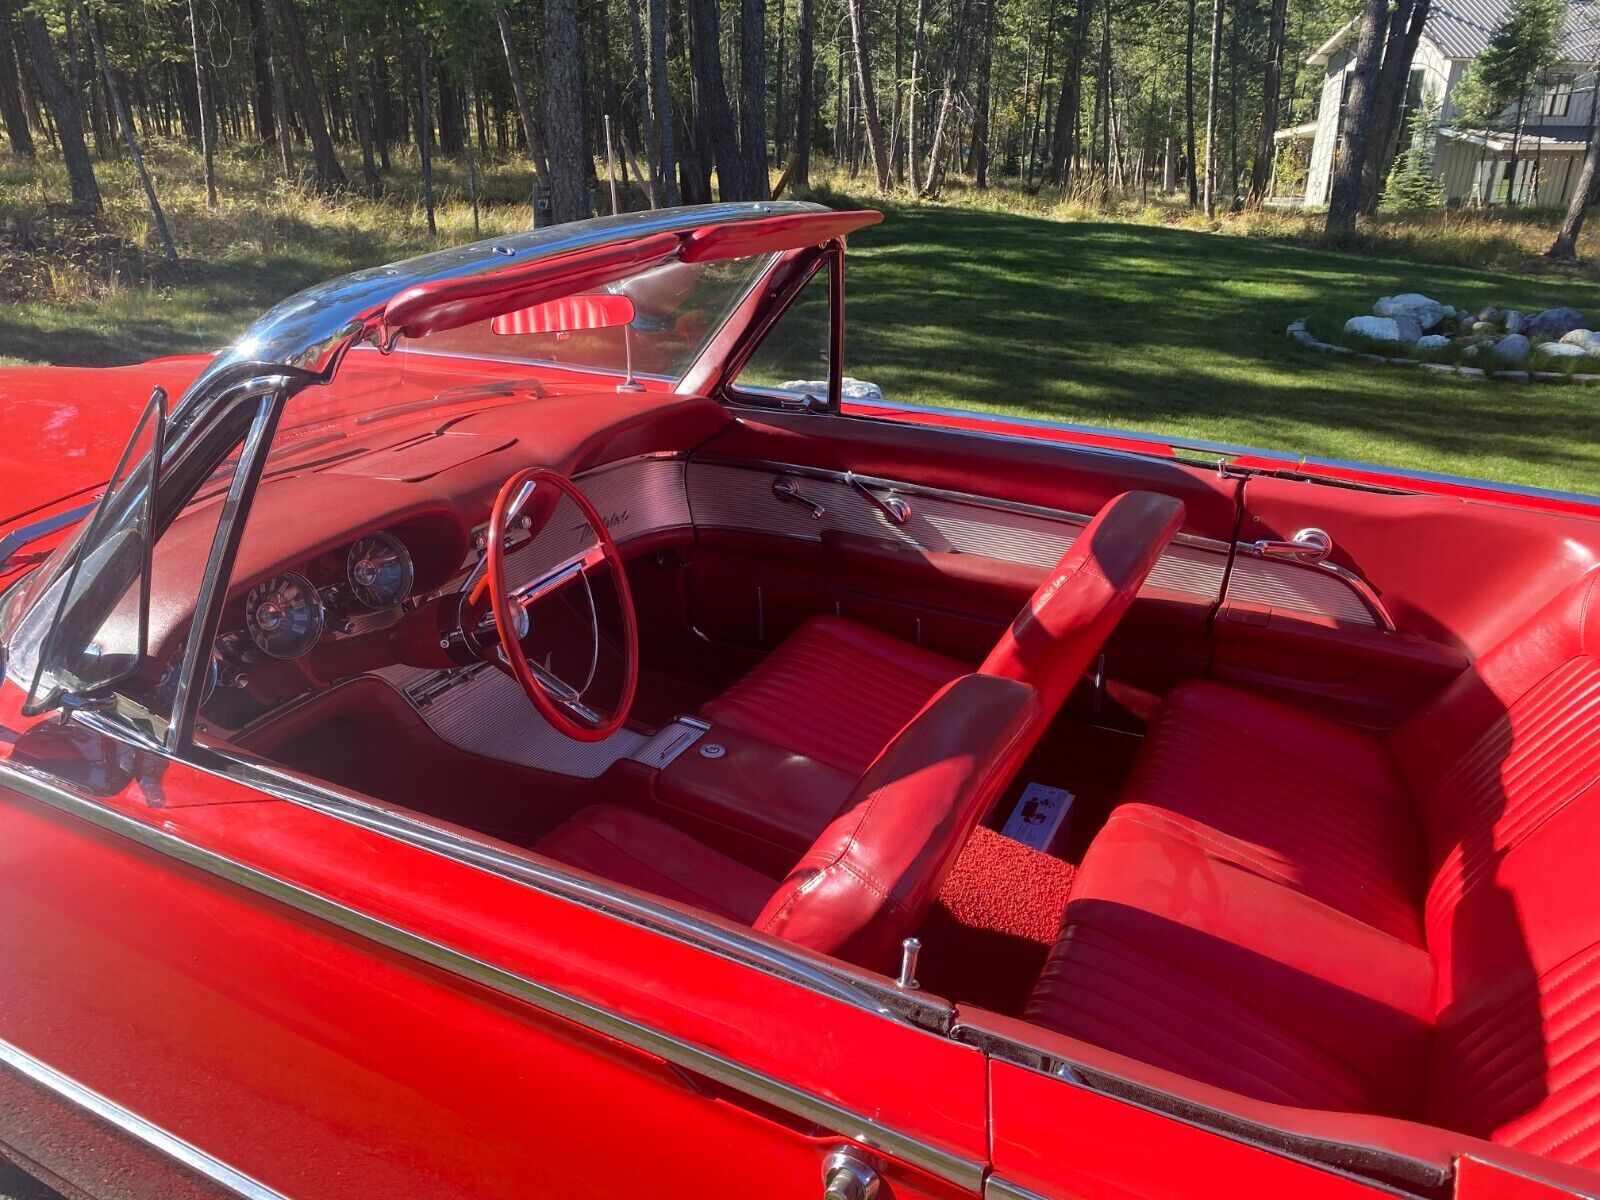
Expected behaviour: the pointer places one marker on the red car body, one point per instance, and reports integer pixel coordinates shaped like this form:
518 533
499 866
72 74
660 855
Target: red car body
221 981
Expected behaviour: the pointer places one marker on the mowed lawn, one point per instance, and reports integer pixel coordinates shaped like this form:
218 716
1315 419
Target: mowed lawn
1131 326
1182 333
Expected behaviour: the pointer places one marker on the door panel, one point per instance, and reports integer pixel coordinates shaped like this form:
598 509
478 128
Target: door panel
326 1064
1444 579
986 519
1054 1138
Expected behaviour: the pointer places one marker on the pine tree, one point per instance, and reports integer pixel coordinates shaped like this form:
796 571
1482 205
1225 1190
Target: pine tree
1412 183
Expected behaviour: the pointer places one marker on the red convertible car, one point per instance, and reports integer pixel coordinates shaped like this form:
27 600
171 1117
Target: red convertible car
512 726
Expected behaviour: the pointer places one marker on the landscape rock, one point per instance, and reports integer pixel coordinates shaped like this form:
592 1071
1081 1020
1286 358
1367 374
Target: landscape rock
1587 338
1560 350
1470 372
1482 326
1554 322
1426 311
1512 348
1586 379
1516 322
1379 329
1409 327
1438 368
1513 376
851 389
1490 314
1432 341
1549 377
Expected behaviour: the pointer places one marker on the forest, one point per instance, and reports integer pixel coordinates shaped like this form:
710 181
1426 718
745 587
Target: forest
678 101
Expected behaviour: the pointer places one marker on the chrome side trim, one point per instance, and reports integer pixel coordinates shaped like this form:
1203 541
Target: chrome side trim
1291 459
1319 589
963 1172
995 1188
135 1126
32 532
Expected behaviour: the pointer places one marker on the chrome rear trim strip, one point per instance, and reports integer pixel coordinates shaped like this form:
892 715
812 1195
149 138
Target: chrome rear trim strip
963 1172
131 1123
995 1188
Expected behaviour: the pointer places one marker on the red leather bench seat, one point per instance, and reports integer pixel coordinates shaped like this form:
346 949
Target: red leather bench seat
1406 925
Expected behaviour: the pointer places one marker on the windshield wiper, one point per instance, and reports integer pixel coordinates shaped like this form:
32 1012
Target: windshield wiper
18 538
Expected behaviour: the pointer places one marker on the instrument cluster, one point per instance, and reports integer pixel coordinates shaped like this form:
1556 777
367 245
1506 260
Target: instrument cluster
365 585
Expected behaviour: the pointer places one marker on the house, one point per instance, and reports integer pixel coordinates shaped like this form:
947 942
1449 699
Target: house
1473 165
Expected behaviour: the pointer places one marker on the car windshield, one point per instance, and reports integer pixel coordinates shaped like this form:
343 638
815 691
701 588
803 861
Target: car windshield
668 315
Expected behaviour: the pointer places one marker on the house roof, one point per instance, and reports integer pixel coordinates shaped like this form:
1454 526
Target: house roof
1462 28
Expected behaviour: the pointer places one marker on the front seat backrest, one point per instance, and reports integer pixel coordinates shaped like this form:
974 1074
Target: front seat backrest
870 878
1066 622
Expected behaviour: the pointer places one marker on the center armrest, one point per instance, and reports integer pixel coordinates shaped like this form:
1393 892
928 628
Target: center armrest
757 788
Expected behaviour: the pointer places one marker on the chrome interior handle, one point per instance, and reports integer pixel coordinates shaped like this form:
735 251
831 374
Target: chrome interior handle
895 507
787 490
1308 545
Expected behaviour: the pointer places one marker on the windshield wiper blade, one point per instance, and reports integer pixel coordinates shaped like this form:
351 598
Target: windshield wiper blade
18 538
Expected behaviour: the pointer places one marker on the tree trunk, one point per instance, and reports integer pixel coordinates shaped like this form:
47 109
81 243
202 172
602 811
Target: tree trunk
805 95
1062 159
62 101
664 132
1217 10
952 77
363 110
327 175
260 50
208 124
1266 144
12 110
1188 105
530 128
753 99
168 250
919 57
570 166
1345 196
705 60
425 139
647 120
280 97
1565 247
472 161
1389 97
861 40
980 116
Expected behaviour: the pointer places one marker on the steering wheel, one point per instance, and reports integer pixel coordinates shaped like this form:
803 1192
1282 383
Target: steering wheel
557 701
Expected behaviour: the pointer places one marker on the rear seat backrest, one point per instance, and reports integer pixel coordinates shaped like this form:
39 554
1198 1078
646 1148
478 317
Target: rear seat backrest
1505 767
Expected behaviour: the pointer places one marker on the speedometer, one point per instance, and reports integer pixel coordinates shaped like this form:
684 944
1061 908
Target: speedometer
284 615
379 570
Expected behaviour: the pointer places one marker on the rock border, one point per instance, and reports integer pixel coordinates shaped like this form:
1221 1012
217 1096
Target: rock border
1300 335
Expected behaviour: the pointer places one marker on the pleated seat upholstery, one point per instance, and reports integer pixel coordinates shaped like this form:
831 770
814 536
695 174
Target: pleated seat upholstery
1407 925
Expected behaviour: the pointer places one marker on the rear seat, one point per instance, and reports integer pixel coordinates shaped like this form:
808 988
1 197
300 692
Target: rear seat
1405 925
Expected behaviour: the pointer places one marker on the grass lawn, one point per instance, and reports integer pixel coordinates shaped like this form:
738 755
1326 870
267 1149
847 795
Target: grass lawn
1182 332
1139 326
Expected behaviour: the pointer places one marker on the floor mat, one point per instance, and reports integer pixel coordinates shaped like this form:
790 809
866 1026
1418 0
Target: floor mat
997 916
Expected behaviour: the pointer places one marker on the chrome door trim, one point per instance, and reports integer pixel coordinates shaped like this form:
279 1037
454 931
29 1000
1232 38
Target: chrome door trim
1364 591
996 1188
850 478
1292 461
963 1172
131 1123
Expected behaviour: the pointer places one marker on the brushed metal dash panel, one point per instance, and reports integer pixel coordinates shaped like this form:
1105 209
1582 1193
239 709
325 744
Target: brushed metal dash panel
731 497
482 710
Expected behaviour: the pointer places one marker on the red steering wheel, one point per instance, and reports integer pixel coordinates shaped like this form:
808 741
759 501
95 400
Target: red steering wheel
557 701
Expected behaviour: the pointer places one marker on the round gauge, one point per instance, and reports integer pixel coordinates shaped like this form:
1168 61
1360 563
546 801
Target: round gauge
284 615
379 570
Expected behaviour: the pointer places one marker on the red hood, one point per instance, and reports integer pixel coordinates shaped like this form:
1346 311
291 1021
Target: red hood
62 428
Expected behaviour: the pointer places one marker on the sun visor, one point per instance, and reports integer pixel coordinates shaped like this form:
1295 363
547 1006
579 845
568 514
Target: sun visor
773 235
443 304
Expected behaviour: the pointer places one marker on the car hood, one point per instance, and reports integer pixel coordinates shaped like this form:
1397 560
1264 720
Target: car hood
62 428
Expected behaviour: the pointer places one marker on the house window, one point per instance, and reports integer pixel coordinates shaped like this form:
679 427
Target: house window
1556 100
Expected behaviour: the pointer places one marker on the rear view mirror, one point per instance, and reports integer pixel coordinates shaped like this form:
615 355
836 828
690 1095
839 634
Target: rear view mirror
569 314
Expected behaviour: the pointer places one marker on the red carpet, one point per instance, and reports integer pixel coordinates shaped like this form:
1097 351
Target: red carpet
997 916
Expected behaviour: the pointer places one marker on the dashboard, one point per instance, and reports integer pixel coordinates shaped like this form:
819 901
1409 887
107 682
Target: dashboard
355 589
